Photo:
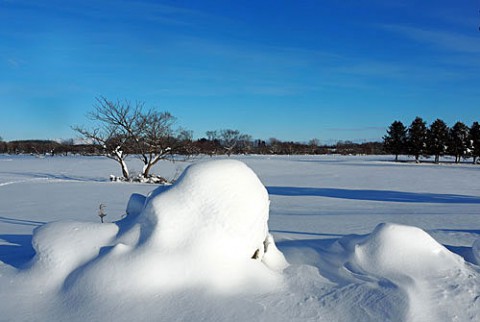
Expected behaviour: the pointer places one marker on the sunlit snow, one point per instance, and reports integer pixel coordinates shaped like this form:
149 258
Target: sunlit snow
295 239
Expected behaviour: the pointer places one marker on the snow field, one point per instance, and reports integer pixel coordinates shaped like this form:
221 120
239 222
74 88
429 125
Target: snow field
185 252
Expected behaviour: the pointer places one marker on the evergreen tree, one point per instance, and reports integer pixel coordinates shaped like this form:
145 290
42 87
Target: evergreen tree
475 141
459 141
417 138
437 139
395 140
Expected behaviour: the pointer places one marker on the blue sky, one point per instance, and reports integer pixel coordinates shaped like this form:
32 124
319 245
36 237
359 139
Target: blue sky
293 70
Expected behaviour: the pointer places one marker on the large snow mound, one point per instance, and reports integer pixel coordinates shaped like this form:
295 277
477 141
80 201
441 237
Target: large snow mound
220 207
208 230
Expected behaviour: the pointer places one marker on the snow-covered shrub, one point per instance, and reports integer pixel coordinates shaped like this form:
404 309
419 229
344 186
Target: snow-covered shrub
151 178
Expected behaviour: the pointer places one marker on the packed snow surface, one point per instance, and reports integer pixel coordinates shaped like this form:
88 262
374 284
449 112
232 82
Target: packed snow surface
357 239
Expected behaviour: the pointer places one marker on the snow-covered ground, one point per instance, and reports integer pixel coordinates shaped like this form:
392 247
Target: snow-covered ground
365 240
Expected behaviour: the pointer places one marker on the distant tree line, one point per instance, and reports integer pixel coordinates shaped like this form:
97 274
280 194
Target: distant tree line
216 143
459 141
121 128
203 145
47 147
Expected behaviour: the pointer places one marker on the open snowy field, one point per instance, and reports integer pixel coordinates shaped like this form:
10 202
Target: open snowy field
155 264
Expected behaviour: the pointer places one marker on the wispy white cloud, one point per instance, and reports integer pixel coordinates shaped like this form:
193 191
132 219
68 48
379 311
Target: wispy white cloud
460 16
440 71
377 69
446 40
159 13
14 63
116 11
248 68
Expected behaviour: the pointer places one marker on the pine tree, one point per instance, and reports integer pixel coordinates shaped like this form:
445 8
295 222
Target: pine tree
459 141
395 140
417 138
437 139
475 141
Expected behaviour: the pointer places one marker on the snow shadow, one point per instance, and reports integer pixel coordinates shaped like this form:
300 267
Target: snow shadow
467 231
58 177
304 233
313 252
463 251
23 222
319 245
19 250
292 248
374 195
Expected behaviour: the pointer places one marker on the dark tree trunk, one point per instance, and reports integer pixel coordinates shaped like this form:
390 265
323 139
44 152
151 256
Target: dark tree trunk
147 169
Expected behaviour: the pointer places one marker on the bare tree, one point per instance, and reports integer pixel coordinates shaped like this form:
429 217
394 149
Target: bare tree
275 145
313 145
113 129
212 135
154 138
244 143
122 128
229 139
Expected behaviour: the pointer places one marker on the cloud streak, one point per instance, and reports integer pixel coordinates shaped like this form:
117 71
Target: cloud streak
446 40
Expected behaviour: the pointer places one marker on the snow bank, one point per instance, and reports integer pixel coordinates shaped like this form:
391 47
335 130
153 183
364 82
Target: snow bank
434 281
395 251
209 230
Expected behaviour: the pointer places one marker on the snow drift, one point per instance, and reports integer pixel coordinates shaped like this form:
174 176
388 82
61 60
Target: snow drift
396 251
209 229
407 258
